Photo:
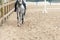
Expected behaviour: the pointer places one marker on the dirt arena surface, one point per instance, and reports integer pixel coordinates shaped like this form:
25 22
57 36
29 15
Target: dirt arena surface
37 25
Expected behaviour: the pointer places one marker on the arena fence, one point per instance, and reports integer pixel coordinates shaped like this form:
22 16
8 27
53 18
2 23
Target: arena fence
5 11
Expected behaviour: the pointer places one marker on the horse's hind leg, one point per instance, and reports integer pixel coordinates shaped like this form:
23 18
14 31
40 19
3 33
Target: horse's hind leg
22 18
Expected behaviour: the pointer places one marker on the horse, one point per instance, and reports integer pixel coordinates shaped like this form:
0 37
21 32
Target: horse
20 9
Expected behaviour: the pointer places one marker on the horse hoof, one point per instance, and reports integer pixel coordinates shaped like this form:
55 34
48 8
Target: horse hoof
18 25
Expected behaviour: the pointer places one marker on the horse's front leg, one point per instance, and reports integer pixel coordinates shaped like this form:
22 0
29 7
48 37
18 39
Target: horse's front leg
17 18
22 18
24 12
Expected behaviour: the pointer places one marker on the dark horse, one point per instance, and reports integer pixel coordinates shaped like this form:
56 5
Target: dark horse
20 8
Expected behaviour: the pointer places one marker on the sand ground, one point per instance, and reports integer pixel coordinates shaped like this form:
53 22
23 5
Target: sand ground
37 26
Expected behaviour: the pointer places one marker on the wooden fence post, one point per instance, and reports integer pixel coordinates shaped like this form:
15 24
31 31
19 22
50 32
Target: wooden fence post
5 11
2 15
